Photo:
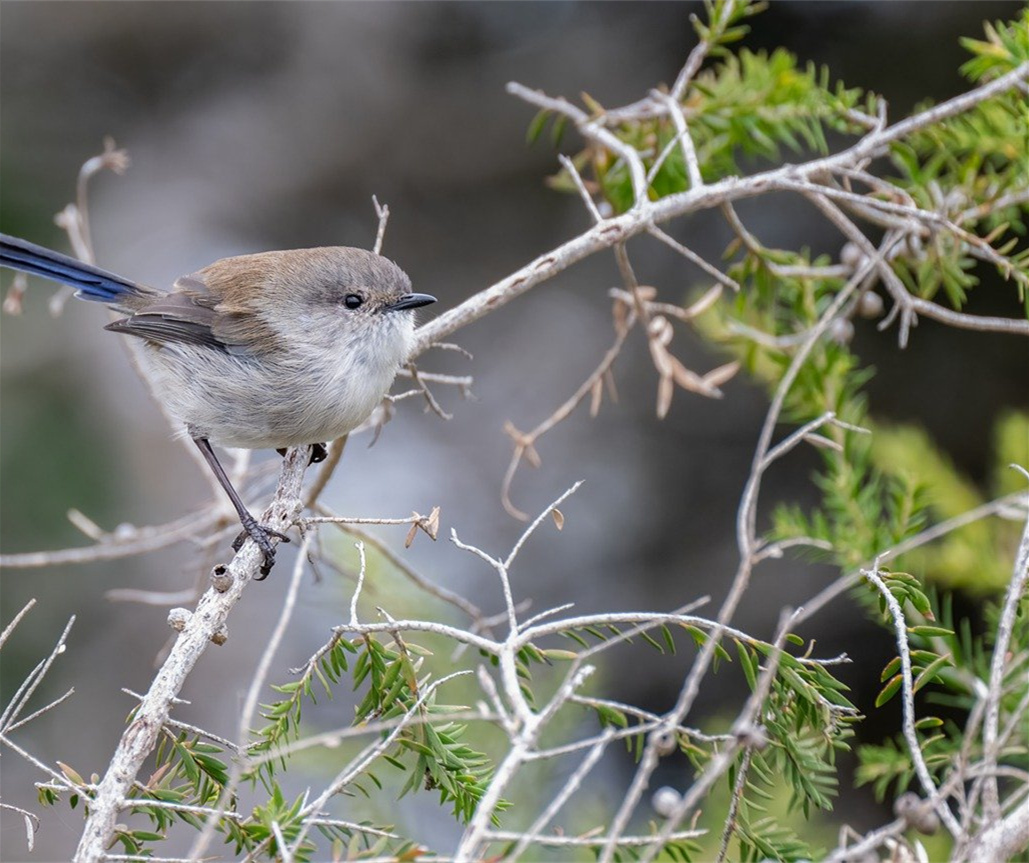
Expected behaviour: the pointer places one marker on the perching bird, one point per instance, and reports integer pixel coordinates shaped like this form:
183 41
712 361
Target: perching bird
276 349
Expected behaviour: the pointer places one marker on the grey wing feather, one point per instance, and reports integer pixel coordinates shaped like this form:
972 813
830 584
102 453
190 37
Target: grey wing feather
158 328
188 315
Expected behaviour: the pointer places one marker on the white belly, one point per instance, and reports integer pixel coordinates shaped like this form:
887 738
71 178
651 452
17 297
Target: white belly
242 402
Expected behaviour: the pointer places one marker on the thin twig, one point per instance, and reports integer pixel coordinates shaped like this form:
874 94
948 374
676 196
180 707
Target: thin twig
14 623
382 211
644 214
430 587
33 679
998 663
689 151
125 542
246 715
908 700
745 730
208 619
587 198
525 442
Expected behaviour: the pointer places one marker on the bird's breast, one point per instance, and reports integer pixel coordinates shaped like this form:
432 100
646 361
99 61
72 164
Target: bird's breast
260 403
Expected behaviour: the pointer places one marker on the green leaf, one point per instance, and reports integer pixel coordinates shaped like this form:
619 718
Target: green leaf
930 671
892 667
889 690
929 631
561 655
536 126
748 663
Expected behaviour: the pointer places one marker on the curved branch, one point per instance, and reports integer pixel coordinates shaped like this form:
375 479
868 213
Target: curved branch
610 232
208 618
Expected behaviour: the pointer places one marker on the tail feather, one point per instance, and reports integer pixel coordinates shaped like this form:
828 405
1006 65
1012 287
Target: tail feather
91 283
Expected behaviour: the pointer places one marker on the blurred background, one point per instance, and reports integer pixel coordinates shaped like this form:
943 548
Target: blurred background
270 125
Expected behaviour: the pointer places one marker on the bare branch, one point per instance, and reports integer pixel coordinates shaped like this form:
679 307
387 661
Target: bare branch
246 715
689 151
440 592
694 258
1005 627
126 541
525 442
382 211
699 53
33 679
643 215
31 823
747 723
208 619
14 623
910 734
587 198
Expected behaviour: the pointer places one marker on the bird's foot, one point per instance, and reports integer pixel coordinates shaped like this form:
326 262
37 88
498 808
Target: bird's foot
318 453
262 536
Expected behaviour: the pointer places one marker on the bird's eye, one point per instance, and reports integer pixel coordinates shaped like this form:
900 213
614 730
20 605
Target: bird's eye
353 301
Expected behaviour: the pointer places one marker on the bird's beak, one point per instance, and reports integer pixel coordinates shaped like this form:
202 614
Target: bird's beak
410 301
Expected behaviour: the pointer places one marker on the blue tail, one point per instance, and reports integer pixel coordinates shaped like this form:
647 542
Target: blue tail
91 283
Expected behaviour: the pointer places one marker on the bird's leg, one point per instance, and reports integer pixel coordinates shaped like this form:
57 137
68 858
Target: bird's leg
318 453
257 532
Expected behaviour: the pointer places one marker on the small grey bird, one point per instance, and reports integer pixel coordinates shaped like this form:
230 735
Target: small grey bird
276 349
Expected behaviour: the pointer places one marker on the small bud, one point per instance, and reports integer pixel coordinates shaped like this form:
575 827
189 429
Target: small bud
221 635
870 305
665 801
178 618
220 578
917 812
841 330
665 741
851 255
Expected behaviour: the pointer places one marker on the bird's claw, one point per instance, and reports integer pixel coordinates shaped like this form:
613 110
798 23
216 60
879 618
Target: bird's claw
261 536
318 453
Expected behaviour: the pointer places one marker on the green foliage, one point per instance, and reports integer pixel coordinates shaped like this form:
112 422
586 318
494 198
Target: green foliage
864 508
961 165
189 759
950 658
975 557
749 105
755 103
876 485
430 749
1005 47
767 839
876 489
807 719
284 716
968 174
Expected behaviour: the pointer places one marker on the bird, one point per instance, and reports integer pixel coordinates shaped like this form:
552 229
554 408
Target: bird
269 350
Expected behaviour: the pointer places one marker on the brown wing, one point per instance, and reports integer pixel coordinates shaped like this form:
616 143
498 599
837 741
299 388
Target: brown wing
191 313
